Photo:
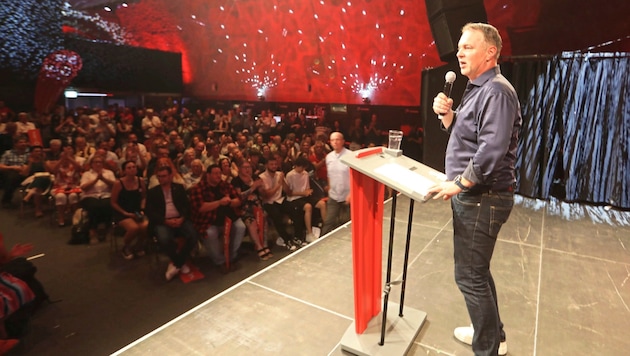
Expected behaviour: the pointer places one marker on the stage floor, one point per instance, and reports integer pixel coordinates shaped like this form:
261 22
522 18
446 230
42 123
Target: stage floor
562 274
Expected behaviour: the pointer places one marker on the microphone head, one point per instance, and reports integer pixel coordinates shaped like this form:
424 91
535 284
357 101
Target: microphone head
450 77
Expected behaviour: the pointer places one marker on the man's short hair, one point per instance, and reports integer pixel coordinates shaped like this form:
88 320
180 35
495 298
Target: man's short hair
301 162
211 167
490 34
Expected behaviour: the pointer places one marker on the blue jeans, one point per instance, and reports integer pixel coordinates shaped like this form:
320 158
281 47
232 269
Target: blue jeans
213 243
166 236
477 219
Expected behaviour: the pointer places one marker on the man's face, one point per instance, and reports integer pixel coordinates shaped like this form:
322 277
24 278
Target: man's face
36 153
272 165
196 168
473 54
245 169
20 145
164 177
336 141
162 153
214 176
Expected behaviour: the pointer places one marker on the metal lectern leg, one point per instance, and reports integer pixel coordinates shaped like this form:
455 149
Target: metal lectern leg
389 268
404 276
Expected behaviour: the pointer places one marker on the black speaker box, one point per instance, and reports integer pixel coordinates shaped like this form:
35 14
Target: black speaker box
447 17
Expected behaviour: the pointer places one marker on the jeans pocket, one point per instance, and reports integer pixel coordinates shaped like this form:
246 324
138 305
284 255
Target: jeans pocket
498 216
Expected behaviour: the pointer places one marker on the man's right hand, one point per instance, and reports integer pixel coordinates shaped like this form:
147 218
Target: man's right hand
442 105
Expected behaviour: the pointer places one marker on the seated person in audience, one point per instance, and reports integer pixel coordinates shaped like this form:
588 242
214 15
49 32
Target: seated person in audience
318 161
160 150
246 186
66 188
301 199
213 200
271 192
214 156
38 183
111 158
168 210
96 184
53 153
185 162
132 153
162 162
255 159
200 152
86 129
132 142
8 137
82 149
12 165
128 201
194 175
226 169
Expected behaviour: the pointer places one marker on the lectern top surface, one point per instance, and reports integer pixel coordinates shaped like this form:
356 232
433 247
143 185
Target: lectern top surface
401 173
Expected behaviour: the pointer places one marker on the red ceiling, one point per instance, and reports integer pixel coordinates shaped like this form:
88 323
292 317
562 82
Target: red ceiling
312 50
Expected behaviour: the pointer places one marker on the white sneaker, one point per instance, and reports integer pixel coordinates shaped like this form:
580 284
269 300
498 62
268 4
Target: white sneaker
465 335
280 242
171 271
185 269
310 238
317 232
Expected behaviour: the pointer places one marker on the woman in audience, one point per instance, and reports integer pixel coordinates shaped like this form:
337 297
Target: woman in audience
247 187
66 188
96 185
226 171
128 201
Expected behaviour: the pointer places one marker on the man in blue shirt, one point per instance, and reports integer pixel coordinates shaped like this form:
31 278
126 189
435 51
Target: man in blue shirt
479 165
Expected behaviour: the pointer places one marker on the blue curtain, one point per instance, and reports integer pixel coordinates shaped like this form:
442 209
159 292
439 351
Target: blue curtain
576 127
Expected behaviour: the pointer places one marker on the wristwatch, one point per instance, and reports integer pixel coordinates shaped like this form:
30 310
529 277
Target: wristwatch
458 183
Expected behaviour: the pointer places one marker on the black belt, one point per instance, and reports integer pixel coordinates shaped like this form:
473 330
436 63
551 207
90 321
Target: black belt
490 190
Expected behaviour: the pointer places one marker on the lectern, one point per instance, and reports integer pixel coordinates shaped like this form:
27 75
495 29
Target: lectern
371 169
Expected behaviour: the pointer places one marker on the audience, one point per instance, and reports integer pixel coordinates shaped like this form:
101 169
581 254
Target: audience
270 176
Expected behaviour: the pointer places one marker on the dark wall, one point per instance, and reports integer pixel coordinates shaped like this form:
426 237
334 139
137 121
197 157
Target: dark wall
123 68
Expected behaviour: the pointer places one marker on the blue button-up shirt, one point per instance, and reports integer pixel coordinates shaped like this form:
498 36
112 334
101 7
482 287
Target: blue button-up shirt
484 132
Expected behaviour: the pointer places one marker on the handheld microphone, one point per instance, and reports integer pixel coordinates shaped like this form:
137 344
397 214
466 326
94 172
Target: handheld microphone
449 79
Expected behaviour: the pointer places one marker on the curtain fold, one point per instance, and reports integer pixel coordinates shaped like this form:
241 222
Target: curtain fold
576 128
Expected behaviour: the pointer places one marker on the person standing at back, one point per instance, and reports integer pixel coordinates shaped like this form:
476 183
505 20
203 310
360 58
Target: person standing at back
338 203
479 165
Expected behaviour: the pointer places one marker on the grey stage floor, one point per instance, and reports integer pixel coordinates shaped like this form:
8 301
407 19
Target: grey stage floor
561 270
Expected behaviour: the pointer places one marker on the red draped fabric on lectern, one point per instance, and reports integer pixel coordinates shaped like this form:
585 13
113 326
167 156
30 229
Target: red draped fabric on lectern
57 71
367 231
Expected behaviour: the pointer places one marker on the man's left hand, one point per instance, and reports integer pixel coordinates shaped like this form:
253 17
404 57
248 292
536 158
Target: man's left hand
445 190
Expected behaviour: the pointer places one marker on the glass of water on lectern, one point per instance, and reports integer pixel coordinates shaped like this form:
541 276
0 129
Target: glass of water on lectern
395 138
